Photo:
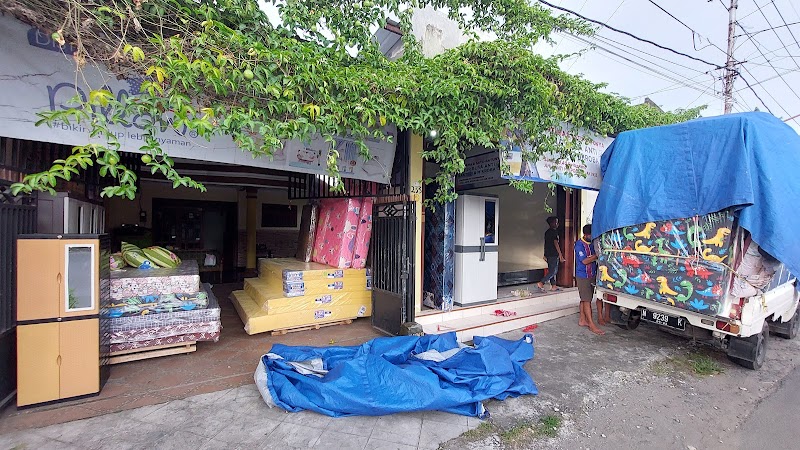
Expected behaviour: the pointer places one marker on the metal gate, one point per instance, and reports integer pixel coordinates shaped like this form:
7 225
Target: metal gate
392 260
14 220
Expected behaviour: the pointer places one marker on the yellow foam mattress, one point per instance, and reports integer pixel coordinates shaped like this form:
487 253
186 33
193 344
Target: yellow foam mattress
314 287
256 320
289 269
273 301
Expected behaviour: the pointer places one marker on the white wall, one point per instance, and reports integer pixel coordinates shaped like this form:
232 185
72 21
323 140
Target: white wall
588 198
435 31
522 224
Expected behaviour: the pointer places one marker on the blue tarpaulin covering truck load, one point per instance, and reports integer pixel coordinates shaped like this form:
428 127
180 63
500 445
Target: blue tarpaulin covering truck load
697 233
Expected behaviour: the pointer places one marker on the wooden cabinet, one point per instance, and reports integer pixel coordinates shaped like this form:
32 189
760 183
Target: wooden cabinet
62 284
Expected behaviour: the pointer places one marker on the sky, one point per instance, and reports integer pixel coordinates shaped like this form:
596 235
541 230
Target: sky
770 60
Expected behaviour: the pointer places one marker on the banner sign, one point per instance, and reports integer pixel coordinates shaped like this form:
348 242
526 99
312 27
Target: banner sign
480 171
38 75
549 168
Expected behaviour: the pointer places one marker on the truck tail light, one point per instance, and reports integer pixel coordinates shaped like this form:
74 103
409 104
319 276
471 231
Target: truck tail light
727 327
736 309
611 298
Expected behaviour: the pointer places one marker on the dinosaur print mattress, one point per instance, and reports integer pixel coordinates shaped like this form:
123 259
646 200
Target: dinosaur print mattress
682 262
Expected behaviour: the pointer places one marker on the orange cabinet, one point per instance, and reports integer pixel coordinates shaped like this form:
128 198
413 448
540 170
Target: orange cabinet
61 337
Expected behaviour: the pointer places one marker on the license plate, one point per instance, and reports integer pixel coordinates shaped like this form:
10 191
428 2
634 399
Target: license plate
659 318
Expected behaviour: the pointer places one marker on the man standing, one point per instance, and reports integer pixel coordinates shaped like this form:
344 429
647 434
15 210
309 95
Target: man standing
552 253
585 273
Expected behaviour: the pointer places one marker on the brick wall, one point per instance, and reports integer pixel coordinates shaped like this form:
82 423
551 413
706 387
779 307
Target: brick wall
282 243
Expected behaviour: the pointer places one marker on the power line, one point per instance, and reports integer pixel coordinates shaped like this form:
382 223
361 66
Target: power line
776 34
648 54
628 34
784 22
756 93
674 86
607 20
758 46
771 78
686 26
642 66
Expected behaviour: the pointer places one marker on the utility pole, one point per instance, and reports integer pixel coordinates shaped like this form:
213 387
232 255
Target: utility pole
730 73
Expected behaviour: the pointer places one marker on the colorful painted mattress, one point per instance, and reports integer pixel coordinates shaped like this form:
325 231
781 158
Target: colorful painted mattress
148 334
256 320
683 262
273 301
335 238
150 304
363 235
192 337
129 282
181 317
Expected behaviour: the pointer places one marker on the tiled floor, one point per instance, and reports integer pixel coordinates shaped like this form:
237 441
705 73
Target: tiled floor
238 418
214 367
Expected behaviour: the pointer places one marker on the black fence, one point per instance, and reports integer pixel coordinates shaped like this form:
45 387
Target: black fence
15 219
309 187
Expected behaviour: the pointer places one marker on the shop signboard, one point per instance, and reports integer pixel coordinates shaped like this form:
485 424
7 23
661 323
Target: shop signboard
549 168
480 171
38 75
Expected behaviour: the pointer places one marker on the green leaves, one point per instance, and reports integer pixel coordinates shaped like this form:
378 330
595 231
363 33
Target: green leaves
222 68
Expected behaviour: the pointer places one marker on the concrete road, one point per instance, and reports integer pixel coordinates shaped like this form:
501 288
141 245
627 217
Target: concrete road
773 424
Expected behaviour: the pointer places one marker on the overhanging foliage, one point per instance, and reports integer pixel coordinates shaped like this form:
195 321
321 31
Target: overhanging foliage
221 67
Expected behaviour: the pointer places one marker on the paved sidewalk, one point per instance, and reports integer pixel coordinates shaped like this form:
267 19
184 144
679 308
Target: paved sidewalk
239 418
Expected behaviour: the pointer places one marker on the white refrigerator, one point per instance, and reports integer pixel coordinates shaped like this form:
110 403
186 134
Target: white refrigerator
476 253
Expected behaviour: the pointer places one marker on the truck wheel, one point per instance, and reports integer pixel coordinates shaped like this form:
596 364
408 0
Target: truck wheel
789 329
756 346
631 320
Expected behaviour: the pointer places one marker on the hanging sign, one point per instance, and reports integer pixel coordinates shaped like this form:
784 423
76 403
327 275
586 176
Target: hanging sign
39 75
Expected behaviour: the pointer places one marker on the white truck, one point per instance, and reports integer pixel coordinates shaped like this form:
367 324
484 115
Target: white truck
682 284
680 221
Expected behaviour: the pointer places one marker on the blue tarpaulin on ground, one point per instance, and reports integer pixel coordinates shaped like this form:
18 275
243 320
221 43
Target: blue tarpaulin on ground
396 374
747 161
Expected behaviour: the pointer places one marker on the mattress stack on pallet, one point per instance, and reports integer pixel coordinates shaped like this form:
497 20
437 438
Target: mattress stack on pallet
290 295
155 312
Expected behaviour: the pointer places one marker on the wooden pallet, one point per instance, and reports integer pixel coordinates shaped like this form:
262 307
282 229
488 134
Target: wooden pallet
137 354
315 326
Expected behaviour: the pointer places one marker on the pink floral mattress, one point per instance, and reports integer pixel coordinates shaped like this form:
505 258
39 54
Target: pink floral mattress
334 243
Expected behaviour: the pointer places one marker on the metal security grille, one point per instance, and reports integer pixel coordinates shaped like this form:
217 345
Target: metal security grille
309 187
15 219
392 261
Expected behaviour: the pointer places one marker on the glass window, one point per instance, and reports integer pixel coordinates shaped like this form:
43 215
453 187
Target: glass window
79 288
490 221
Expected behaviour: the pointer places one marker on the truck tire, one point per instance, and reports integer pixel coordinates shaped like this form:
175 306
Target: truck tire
789 329
750 352
631 320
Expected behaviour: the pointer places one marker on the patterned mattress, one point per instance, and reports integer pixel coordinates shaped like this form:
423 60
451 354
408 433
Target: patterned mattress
165 319
127 283
192 337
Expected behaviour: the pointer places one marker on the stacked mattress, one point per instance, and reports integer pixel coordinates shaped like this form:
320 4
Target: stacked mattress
290 293
343 232
155 307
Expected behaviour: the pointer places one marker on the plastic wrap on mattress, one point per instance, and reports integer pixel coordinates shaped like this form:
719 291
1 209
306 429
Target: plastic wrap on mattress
274 301
363 235
680 262
308 229
297 278
192 337
209 314
129 282
150 304
335 240
149 334
256 320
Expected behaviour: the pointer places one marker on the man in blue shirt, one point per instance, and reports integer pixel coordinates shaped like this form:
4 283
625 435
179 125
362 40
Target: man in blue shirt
585 274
